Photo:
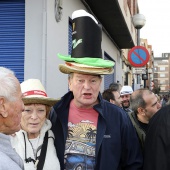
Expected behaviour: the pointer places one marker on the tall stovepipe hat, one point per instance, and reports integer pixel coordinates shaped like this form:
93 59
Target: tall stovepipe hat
86 56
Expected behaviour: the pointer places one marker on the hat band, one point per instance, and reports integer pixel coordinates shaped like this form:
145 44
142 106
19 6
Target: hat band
35 92
125 92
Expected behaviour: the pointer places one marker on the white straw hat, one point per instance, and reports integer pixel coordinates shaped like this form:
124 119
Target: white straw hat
34 93
126 90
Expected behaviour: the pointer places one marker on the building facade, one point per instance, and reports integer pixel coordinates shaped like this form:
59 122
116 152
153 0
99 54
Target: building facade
162 72
42 29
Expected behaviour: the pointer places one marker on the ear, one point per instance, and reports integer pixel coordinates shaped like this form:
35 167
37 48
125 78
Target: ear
141 111
3 107
112 101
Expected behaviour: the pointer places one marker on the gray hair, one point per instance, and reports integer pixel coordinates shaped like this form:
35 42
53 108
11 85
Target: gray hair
115 87
70 76
136 99
8 84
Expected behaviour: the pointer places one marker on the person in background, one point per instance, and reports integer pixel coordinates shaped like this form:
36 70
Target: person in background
112 97
91 133
11 107
125 93
164 100
115 87
157 142
144 104
35 141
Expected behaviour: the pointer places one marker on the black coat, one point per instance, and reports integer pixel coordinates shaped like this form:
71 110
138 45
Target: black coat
157 143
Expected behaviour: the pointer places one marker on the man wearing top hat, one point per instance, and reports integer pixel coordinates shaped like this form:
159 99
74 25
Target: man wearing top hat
91 133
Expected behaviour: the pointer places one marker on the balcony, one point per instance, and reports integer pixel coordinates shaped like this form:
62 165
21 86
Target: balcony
112 19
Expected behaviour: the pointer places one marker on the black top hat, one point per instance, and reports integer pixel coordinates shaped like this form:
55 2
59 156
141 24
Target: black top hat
86 56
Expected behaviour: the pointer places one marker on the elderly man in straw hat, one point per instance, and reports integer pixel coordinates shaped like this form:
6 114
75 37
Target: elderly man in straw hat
91 133
35 141
11 107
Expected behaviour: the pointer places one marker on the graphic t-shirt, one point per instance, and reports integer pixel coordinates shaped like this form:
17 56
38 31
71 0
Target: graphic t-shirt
81 139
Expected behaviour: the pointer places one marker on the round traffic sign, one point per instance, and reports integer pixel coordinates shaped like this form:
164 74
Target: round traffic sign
138 56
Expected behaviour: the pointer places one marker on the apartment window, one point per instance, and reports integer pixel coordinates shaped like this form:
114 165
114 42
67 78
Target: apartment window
138 79
162 68
162 82
162 88
162 75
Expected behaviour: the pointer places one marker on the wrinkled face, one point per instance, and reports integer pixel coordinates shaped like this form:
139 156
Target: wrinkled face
125 100
85 89
33 118
13 112
153 105
118 99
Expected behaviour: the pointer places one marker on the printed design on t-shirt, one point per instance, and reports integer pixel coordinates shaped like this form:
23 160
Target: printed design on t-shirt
80 146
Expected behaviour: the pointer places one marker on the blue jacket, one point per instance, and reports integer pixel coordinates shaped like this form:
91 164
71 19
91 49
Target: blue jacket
117 145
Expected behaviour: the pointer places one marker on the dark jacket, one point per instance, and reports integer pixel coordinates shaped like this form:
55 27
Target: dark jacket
140 131
117 145
157 142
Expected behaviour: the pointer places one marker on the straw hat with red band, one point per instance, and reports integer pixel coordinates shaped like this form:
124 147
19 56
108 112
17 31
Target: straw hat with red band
34 93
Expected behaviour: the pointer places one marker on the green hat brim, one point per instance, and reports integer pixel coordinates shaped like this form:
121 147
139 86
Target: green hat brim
96 62
66 69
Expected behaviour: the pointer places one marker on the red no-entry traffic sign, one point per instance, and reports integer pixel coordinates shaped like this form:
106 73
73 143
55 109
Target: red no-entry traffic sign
138 56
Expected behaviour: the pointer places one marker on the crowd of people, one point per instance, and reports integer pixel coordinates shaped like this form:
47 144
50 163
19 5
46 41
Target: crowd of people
118 129
140 105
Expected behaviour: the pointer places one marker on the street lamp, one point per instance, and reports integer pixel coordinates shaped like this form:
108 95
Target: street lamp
150 77
138 22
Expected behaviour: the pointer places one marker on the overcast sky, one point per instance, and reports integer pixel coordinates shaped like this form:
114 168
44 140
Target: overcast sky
157 27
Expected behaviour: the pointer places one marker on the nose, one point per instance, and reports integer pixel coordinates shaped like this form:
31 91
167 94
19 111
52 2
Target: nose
158 105
87 85
34 114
